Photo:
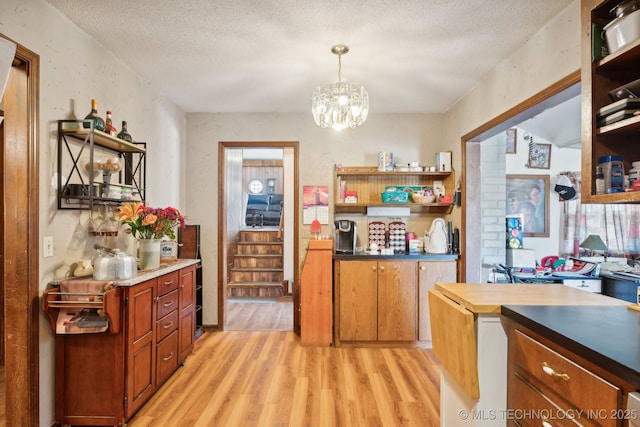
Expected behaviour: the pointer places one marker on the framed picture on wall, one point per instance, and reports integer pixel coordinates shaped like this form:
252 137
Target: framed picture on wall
511 141
539 156
528 196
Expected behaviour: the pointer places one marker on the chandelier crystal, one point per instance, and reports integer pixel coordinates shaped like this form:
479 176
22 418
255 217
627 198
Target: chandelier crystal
342 104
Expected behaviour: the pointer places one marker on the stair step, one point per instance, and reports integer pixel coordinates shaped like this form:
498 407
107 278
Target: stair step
257 262
262 248
256 289
258 236
257 269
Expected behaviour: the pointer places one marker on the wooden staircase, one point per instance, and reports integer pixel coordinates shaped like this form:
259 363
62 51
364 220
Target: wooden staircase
257 268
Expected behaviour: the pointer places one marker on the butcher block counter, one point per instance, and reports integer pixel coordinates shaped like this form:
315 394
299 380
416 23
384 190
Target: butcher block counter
471 343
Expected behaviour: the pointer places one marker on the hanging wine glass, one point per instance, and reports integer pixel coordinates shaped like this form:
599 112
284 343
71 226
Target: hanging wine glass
109 226
92 225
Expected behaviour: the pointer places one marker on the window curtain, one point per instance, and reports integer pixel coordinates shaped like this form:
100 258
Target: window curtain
617 224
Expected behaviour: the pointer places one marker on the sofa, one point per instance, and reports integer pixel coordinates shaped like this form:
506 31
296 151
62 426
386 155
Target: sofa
263 210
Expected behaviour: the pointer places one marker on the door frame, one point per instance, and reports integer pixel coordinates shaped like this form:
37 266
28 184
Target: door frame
222 224
21 268
471 268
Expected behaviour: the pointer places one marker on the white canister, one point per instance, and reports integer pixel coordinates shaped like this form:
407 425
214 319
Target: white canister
385 161
168 251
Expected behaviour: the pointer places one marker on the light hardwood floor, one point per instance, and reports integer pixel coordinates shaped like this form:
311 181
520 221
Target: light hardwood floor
243 316
265 378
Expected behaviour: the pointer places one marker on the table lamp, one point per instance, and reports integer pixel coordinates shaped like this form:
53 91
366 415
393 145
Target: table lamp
593 242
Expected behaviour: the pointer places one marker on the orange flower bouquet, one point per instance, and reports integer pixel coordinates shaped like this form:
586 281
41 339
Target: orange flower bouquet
150 223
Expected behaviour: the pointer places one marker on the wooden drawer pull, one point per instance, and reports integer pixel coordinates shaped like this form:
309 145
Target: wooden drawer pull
550 371
164 359
167 326
168 304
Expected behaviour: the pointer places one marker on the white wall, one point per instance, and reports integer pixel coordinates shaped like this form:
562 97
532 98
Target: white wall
73 69
550 55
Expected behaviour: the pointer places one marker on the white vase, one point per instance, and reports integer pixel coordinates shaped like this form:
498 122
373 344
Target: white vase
149 253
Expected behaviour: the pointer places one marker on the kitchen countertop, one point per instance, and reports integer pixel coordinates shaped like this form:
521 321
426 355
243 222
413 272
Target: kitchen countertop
164 268
488 298
397 257
606 336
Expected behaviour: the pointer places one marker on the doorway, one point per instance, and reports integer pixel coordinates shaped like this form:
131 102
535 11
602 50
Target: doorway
232 195
20 267
559 92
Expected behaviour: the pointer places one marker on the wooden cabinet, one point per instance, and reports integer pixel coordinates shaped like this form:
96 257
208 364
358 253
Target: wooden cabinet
370 184
187 312
316 296
551 385
140 351
166 320
103 378
598 79
430 272
376 301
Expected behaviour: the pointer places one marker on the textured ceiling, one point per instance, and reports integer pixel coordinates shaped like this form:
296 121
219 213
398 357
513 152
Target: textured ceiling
412 56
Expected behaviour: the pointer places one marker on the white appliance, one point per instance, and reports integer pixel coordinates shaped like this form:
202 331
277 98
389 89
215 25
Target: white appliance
437 238
633 409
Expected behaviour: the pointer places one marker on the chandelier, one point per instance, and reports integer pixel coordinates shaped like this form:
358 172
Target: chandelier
341 104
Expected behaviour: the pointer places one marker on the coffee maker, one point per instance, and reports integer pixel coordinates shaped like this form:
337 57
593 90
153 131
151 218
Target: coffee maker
346 235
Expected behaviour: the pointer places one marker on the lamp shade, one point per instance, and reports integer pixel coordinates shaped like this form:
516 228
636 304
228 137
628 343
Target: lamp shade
593 242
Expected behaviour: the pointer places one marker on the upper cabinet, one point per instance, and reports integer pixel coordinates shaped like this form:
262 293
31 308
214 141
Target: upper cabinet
369 184
97 168
603 133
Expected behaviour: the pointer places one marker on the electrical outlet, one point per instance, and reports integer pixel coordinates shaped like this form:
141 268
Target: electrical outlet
47 246
306 233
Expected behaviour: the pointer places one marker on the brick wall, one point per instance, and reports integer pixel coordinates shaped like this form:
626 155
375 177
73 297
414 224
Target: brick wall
493 201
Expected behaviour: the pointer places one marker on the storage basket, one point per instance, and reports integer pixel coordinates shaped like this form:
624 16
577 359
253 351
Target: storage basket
423 199
395 197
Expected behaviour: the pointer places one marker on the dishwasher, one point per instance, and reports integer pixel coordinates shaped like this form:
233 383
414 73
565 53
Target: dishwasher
633 409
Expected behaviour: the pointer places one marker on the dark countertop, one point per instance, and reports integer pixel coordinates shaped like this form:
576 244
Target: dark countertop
606 336
397 257
616 276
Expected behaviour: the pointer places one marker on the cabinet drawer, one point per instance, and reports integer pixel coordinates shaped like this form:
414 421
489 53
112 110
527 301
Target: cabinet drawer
167 303
533 408
166 325
168 282
558 376
584 285
166 357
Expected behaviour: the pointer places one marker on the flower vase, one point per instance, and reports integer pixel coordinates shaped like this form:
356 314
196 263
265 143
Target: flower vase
149 253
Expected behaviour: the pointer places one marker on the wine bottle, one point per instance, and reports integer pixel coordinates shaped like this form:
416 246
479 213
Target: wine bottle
98 122
124 134
108 127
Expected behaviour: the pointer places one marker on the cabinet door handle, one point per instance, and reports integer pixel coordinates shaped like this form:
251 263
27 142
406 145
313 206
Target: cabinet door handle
164 359
550 371
422 267
382 268
167 326
169 282
374 268
168 304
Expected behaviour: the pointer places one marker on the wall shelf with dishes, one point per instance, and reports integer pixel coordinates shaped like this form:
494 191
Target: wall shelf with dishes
610 77
357 188
97 169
